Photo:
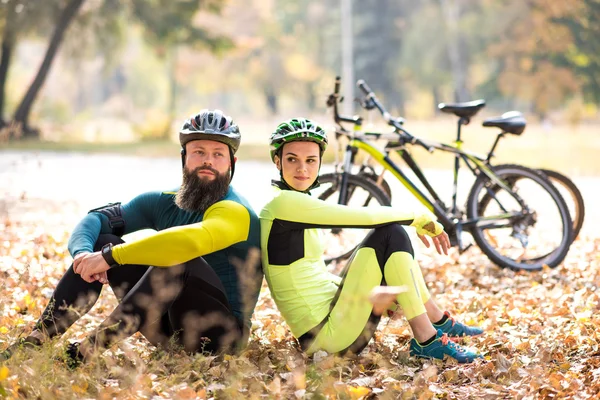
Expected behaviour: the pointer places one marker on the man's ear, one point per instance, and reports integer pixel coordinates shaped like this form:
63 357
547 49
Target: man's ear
234 160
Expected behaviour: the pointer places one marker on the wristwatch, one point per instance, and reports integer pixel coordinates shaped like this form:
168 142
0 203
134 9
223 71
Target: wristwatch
107 255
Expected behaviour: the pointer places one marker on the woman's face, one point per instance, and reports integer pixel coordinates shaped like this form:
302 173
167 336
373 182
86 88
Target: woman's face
299 164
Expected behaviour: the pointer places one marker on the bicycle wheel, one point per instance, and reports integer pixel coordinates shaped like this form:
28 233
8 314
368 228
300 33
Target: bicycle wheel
522 228
572 196
362 192
373 178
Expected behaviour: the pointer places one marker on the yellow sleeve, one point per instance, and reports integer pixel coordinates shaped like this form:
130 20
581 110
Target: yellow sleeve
225 223
303 209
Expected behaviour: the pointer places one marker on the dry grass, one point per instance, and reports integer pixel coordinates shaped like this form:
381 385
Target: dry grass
541 339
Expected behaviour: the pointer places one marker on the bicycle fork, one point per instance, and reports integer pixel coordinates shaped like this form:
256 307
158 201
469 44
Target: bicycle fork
346 170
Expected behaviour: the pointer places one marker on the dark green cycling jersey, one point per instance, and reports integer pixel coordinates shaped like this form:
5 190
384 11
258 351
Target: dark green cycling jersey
292 251
224 233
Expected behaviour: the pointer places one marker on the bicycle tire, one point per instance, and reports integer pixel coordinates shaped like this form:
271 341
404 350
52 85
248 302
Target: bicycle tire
354 181
373 178
575 195
476 207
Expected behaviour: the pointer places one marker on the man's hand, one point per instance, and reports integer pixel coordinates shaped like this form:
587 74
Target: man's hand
441 242
101 277
78 258
92 267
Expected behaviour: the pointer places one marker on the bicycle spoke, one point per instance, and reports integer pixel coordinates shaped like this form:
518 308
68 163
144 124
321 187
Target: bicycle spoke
535 231
340 243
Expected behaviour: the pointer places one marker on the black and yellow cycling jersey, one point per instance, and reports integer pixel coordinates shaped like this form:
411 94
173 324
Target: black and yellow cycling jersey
292 252
222 235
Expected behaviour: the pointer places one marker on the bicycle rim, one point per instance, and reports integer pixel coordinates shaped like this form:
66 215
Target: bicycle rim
526 227
572 196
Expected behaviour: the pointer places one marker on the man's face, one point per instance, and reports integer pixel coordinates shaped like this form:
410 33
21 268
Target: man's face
206 175
207 158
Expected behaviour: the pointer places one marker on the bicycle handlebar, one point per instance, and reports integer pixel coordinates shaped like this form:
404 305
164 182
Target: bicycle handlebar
395 122
362 85
333 101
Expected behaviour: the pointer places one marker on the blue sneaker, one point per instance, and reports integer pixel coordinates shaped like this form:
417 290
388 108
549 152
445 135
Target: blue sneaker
442 346
457 329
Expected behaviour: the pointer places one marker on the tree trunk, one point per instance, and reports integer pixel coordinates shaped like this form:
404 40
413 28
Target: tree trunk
22 114
8 44
173 89
271 98
435 91
451 11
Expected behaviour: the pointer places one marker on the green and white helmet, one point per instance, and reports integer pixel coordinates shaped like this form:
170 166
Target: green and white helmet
297 130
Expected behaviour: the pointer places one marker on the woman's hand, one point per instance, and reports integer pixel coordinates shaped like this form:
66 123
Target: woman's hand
427 225
441 242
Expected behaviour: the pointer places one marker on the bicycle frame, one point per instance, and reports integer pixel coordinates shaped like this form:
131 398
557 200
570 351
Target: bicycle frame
451 219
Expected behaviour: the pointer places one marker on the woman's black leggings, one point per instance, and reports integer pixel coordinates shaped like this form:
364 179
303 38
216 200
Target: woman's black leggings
184 304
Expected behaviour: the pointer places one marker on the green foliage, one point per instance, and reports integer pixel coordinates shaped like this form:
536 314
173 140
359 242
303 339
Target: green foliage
146 84
260 58
378 39
155 124
54 110
169 22
583 54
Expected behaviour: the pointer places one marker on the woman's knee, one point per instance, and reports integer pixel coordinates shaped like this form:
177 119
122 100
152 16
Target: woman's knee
393 237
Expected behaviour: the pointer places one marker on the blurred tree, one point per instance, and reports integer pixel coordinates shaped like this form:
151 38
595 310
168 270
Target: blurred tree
9 14
456 45
19 18
166 25
21 115
429 69
583 54
169 25
308 26
291 56
378 40
532 51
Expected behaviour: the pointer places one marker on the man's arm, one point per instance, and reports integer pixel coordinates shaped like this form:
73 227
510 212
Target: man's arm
225 224
137 214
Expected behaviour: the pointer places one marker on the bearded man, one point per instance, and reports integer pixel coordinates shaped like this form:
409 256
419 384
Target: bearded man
188 283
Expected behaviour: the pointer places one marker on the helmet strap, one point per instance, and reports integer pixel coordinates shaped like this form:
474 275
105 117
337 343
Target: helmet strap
183 157
231 156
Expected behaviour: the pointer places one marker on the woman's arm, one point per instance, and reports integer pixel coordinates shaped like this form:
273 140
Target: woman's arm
301 211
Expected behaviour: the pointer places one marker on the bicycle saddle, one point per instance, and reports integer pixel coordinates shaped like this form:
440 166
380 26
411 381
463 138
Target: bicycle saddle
510 122
463 110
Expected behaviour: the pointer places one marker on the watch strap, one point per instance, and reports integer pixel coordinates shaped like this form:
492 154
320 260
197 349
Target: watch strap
108 256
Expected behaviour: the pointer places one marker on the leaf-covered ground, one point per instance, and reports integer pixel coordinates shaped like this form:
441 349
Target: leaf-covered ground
542 337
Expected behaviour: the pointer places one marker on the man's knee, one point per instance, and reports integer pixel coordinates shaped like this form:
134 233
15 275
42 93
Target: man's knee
105 239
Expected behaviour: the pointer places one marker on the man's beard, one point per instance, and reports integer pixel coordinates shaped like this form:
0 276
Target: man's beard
196 194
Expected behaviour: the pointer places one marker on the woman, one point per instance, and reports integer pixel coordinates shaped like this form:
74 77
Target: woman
330 313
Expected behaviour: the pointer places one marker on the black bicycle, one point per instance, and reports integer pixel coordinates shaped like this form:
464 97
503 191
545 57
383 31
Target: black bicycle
515 214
